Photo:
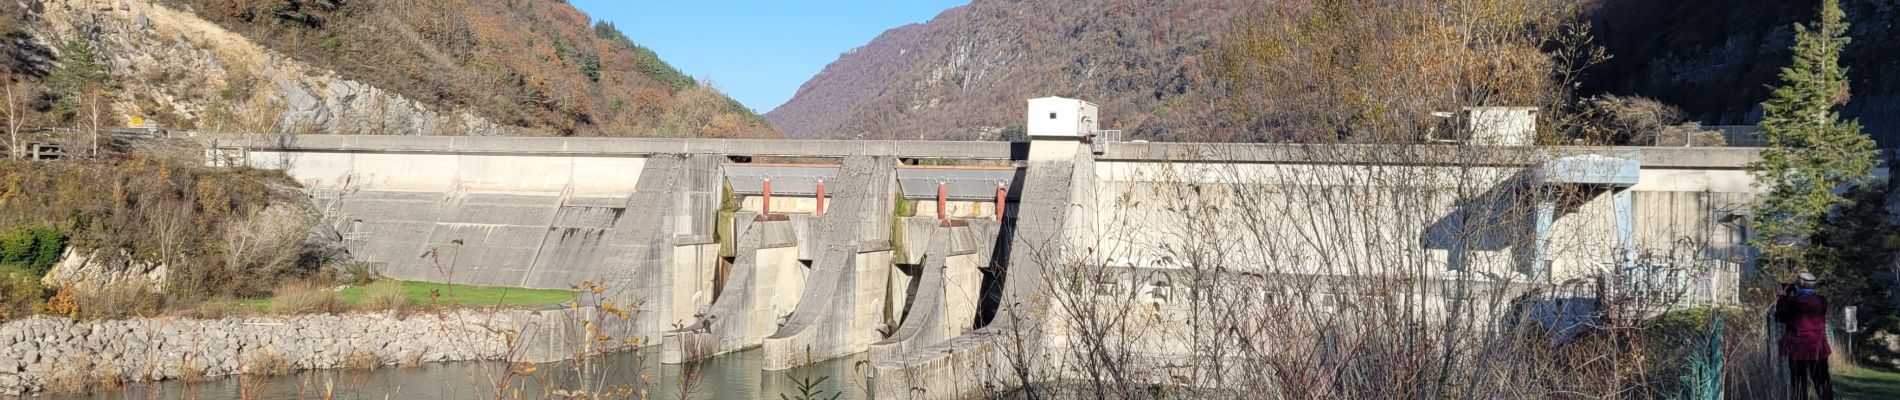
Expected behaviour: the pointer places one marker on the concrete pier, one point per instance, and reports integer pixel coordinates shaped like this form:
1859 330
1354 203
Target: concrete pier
843 305
947 292
666 269
764 284
1053 212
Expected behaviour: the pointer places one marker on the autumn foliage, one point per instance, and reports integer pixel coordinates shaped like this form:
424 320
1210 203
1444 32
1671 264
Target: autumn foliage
538 67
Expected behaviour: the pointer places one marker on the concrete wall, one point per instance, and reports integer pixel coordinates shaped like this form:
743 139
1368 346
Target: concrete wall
1314 219
597 176
958 209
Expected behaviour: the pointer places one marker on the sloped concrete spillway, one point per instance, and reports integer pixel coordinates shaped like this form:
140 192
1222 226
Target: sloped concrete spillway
640 227
970 364
947 293
843 301
765 283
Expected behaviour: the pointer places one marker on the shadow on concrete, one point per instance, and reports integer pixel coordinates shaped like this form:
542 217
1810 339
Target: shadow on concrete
991 295
1502 218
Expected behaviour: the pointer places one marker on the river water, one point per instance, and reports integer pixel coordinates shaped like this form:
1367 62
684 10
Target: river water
623 375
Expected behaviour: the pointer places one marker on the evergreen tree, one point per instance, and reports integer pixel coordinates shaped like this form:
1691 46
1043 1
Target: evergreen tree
79 71
1854 252
1811 151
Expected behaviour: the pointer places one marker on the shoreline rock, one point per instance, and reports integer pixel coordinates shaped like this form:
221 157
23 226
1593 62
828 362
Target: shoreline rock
38 353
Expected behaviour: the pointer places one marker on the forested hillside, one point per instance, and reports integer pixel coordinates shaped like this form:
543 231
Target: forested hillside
1715 59
361 67
1188 70
965 74
1330 69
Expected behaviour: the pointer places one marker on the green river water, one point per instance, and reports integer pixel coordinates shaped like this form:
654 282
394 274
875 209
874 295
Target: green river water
729 376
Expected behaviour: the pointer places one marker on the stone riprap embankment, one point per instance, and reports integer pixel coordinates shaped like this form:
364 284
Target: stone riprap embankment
42 352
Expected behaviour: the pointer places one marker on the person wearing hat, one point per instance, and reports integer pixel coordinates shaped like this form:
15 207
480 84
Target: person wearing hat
1804 341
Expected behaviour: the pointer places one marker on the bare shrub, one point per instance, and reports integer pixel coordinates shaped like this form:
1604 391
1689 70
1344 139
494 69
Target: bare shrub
109 377
261 247
118 301
191 370
1633 120
362 360
600 327
410 360
71 377
304 298
267 363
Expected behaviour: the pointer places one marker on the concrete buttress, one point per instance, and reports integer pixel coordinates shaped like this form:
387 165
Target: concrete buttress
1051 217
843 302
762 286
664 267
946 298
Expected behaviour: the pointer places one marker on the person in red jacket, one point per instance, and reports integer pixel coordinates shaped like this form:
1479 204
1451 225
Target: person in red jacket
1804 341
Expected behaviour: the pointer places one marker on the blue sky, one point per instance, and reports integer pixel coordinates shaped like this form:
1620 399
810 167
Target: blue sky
757 51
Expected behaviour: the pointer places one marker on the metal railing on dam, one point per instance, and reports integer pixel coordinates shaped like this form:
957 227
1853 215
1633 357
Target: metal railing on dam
618 146
1659 157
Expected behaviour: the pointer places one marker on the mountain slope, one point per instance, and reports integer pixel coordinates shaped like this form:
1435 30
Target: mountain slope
965 74
1324 69
1716 59
383 67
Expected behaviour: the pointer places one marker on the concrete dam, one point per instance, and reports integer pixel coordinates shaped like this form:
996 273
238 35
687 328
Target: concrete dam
938 259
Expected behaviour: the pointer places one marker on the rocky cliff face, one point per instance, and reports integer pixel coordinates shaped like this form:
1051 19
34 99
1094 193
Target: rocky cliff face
180 71
88 272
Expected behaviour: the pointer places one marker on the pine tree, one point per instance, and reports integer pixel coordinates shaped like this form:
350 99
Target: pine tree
1811 151
78 72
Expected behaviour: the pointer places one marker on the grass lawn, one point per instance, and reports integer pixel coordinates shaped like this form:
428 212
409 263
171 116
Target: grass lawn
428 293
1862 383
431 293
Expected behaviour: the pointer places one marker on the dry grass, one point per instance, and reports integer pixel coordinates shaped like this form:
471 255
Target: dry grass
190 370
383 295
304 298
267 363
71 378
113 302
215 309
411 360
362 360
109 378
